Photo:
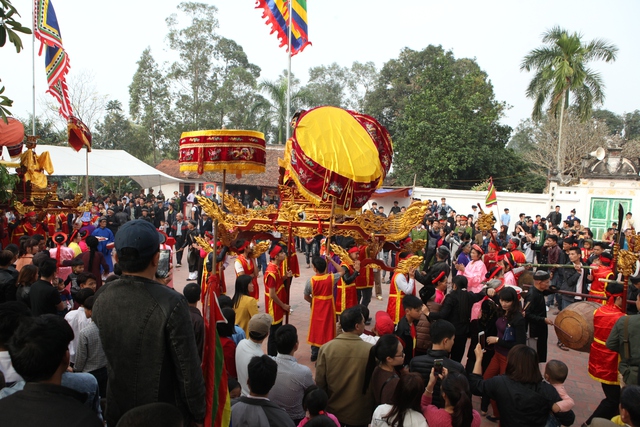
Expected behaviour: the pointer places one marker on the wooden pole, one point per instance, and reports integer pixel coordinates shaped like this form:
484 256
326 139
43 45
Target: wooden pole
327 244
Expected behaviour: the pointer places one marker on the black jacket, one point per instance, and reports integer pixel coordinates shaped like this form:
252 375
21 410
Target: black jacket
146 334
424 364
8 280
451 309
536 313
520 405
41 404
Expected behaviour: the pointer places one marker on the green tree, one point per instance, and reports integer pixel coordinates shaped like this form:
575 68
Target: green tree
632 125
328 85
192 73
117 132
236 81
561 73
444 121
276 92
9 29
361 82
149 100
614 122
47 131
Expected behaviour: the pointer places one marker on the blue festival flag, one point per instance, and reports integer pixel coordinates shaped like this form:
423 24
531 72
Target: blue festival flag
276 12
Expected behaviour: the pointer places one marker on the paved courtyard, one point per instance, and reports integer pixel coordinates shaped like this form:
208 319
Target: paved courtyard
586 392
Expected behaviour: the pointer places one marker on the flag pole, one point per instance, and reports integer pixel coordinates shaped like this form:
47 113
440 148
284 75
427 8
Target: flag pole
86 161
33 72
288 118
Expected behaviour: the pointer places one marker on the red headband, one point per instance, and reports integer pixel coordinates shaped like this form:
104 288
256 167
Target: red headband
605 260
494 245
30 214
354 250
494 272
438 278
477 248
275 251
244 246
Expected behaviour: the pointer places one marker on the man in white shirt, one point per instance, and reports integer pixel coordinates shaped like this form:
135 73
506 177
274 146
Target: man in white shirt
78 319
259 326
191 197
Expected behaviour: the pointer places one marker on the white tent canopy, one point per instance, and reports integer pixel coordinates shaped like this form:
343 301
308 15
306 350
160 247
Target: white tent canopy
116 163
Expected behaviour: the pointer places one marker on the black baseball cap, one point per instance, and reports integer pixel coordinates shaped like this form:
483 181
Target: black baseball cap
140 235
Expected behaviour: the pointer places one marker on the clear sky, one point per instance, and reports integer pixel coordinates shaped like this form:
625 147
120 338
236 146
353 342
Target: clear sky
106 38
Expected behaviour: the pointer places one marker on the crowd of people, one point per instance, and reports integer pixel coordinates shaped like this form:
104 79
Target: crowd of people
90 323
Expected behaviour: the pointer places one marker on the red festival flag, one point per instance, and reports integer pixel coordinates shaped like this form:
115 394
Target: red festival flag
492 198
47 30
218 411
276 12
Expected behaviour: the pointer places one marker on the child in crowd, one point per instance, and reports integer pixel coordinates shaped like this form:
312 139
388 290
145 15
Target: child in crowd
225 331
238 332
78 319
85 281
441 288
90 355
406 328
234 388
315 403
65 295
192 294
555 373
77 267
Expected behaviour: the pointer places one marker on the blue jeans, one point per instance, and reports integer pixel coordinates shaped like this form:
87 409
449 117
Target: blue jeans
85 383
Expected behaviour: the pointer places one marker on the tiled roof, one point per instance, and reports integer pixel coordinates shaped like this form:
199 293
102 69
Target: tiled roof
267 179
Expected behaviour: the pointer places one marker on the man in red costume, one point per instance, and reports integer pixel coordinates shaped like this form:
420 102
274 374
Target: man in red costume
275 294
246 264
346 295
604 271
31 226
603 363
319 293
364 283
491 257
401 284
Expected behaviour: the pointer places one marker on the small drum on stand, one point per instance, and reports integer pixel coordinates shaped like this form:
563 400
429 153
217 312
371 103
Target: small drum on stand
574 325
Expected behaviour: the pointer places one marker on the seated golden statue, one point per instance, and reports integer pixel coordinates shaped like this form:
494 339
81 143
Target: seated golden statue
35 165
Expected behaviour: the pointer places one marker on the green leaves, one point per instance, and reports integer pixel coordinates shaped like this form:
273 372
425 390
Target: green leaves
561 72
9 27
444 121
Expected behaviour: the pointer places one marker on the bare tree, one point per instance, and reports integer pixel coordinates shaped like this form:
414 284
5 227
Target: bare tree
579 139
88 104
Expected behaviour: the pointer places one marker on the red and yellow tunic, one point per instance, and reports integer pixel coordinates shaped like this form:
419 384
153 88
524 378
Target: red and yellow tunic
64 225
322 322
603 363
346 295
30 229
52 223
249 266
490 260
394 306
597 287
366 277
273 279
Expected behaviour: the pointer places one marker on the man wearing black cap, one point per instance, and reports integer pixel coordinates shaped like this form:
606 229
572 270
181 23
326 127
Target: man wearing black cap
536 312
146 333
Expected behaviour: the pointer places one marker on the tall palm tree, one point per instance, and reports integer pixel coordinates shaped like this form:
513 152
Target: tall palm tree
277 93
561 73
